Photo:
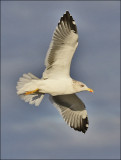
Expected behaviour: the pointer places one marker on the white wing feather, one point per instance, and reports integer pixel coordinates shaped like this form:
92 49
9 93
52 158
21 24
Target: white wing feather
62 48
72 110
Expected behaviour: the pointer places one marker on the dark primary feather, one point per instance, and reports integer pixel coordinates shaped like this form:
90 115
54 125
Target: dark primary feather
72 110
68 19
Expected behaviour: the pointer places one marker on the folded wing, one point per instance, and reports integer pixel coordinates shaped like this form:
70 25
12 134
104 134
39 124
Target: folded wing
72 110
62 48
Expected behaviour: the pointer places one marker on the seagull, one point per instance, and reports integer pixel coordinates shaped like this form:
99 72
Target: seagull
56 80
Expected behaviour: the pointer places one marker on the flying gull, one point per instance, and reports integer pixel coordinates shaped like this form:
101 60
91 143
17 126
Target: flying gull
56 80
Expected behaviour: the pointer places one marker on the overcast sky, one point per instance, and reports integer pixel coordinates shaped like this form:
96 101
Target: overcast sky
40 132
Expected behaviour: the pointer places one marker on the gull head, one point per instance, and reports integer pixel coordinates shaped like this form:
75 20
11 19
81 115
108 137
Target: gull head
80 86
83 87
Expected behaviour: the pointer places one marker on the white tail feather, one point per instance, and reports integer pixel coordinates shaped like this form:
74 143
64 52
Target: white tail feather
26 83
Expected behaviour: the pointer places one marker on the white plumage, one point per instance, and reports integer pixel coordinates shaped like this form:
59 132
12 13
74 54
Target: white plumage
56 79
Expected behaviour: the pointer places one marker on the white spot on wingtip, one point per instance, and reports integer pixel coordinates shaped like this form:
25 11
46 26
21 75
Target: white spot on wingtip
87 125
73 22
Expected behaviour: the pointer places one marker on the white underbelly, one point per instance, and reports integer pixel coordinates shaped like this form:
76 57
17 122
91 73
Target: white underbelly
57 87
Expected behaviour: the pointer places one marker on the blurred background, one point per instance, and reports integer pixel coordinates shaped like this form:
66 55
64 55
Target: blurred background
40 132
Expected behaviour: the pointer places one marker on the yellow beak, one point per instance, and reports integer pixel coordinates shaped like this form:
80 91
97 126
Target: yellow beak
90 90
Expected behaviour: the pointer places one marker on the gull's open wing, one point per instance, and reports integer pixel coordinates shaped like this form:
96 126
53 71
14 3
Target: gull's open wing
72 110
62 48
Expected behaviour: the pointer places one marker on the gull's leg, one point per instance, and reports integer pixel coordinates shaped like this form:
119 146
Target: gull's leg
31 92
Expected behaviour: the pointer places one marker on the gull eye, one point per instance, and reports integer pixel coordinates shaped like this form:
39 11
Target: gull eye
82 85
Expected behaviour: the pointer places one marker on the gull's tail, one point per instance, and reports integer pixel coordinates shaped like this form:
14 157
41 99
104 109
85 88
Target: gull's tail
27 89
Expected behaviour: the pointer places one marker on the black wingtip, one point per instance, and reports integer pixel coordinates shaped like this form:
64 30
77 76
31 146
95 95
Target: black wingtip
67 12
70 21
83 126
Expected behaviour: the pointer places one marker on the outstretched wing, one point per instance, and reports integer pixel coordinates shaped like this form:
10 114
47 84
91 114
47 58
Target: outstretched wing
62 48
72 110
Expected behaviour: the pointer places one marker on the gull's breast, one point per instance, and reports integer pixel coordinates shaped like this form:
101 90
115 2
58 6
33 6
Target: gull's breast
57 87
